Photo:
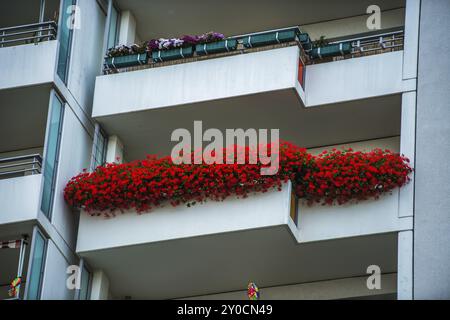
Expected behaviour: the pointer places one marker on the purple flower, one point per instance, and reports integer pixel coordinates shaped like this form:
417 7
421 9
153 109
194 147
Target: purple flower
153 45
188 39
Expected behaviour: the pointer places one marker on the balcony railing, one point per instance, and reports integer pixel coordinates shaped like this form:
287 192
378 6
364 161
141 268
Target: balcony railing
366 46
356 47
241 48
26 34
20 166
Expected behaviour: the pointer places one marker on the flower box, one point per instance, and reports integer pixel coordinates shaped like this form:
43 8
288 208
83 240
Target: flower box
126 61
305 41
269 38
332 50
216 47
172 54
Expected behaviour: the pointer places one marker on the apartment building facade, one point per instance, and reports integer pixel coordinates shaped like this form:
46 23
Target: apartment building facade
379 80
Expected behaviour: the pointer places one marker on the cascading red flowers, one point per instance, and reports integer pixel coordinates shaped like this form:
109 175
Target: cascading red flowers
331 177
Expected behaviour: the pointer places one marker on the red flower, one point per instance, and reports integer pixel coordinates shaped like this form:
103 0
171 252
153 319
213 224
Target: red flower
331 177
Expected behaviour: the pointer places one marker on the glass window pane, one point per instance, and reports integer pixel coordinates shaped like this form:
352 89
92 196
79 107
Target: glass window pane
85 283
51 155
65 39
112 33
37 267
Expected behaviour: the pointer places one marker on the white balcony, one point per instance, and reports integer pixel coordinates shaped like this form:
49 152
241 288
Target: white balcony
28 45
20 198
27 65
23 123
355 79
192 83
257 90
252 239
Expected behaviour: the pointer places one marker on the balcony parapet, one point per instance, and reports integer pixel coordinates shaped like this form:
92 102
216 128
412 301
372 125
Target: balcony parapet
29 64
20 185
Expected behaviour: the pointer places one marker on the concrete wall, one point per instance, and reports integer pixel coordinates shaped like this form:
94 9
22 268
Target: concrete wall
392 144
353 79
28 64
127 30
252 73
432 187
346 288
167 223
87 55
75 146
353 25
75 153
76 141
100 286
317 223
19 198
54 285
196 82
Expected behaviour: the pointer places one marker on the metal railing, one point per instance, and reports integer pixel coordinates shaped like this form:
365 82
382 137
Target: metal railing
240 50
26 34
360 46
369 45
20 166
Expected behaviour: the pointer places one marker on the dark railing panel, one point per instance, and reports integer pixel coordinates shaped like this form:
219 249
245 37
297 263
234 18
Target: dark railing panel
20 166
26 34
368 45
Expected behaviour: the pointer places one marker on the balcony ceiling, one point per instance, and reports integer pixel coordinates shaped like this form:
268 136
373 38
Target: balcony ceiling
23 117
149 132
172 18
21 12
229 261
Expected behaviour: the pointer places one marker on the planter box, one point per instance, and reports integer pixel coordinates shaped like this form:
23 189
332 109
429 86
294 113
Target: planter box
172 54
127 61
332 50
305 41
216 47
269 38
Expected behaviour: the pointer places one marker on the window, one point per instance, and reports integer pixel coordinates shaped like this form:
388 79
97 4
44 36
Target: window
99 148
85 284
65 38
37 265
113 32
51 155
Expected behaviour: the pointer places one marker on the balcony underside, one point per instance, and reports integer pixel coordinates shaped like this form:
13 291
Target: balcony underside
176 17
180 252
23 117
149 132
227 262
